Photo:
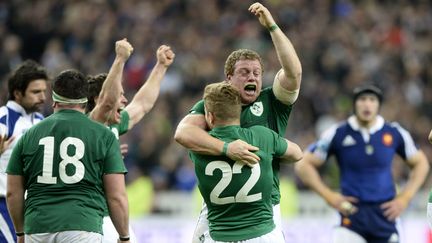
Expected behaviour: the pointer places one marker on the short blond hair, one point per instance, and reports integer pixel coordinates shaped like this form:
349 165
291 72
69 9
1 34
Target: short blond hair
223 100
241 54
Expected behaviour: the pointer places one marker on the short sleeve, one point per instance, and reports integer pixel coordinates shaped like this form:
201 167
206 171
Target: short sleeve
198 108
15 165
113 162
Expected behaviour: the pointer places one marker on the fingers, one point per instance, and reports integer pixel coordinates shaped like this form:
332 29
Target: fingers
123 48
256 8
165 55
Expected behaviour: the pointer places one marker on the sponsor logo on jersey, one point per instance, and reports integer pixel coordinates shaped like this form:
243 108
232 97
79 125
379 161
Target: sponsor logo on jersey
348 141
257 108
387 139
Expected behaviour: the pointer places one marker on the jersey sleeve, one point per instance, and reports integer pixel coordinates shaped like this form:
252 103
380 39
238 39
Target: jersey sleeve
407 148
322 146
198 108
113 162
15 165
124 122
281 112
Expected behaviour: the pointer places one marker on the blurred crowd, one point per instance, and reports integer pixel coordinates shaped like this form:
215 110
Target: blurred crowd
341 44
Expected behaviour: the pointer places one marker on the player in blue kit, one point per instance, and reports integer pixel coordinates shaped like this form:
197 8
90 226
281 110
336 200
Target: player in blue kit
364 147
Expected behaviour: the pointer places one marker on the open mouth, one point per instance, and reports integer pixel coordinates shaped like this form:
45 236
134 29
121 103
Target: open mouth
250 89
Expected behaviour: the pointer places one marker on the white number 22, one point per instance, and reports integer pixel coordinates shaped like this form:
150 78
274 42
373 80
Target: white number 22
242 194
47 169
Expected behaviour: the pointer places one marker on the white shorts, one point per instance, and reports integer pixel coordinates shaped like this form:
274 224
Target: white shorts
110 234
275 236
202 227
73 236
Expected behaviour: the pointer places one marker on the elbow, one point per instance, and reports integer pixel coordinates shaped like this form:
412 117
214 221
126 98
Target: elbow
180 136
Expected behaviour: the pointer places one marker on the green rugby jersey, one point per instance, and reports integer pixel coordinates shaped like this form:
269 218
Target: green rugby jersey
238 197
118 129
122 127
63 160
266 111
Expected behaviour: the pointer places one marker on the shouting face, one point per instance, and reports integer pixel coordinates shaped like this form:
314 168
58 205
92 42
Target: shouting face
247 77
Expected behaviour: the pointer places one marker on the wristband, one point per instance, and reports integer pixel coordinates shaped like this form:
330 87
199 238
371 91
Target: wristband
225 149
273 27
124 238
19 233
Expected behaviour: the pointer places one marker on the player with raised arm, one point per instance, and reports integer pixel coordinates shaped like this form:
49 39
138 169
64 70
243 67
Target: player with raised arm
269 107
70 167
120 117
364 147
238 197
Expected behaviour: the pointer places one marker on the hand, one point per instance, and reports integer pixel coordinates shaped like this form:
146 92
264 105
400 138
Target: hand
165 55
264 15
123 49
394 208
124 148
343 204
239 150
5 143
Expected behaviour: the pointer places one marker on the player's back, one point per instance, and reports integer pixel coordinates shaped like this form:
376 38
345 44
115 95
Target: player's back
239 197
63 164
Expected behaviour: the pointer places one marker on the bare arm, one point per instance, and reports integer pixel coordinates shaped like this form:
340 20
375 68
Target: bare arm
293 153
306 170
419 169
115 193
191 134
111 88
15 201
287 81
145 98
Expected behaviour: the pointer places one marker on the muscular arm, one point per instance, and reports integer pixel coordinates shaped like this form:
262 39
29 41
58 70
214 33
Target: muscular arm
15 200
115 193
293 153
287 81
192 127
110 92
146 96
419 169
306 170
191 133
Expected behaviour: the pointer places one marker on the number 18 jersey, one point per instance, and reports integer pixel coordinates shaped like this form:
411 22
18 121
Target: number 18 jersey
63 160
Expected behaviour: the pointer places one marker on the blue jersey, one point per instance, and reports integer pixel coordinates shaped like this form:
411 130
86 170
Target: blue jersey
365 156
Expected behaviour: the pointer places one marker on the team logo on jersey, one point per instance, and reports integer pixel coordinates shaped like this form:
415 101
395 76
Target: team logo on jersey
387 139
348 141
257 108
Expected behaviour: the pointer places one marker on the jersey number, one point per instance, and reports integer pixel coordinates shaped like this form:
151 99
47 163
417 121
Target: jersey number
242 195
47 169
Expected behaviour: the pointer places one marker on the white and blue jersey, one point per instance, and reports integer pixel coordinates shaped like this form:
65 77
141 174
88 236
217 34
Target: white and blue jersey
14 121
365 156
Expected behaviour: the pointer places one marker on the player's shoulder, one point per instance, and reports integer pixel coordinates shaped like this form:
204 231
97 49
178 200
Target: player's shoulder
3 112
259 130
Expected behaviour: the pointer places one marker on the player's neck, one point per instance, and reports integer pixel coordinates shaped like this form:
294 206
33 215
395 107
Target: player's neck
225 123
367 124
